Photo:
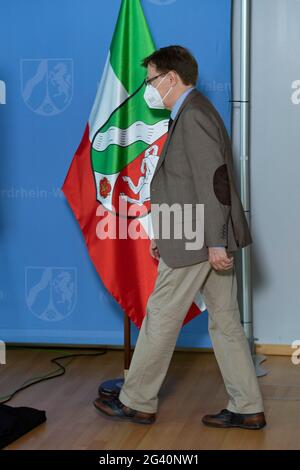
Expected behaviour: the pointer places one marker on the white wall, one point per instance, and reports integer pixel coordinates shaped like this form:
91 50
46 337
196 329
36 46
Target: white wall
275 165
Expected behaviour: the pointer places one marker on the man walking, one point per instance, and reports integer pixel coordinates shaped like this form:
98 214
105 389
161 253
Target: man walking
196 167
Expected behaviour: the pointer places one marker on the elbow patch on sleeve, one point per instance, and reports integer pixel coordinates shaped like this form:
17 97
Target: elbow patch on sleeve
221 185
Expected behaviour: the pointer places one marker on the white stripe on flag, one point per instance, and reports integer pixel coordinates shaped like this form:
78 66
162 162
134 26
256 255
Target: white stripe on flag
200 302
110 94
138 131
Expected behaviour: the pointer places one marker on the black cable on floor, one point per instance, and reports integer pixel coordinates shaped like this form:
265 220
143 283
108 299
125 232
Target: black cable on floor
52 375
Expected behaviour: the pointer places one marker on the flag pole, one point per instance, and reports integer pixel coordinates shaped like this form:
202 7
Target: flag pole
247 307
112 387
127 344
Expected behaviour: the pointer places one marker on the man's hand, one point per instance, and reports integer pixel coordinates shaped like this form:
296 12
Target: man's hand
219 259
154 250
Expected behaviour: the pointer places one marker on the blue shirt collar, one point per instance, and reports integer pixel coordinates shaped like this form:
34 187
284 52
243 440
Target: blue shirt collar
179 102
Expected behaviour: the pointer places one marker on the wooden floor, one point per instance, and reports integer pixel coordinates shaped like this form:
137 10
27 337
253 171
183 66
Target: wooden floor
193 387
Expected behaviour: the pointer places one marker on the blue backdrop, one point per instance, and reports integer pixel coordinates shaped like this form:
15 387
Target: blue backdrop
49 290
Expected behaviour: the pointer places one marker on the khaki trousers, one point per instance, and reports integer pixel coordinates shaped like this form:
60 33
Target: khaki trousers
175 290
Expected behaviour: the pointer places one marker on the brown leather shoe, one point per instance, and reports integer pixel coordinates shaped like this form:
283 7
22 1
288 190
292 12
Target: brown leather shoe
228 419
114 408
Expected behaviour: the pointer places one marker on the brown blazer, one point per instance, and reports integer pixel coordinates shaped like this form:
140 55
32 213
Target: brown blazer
196 166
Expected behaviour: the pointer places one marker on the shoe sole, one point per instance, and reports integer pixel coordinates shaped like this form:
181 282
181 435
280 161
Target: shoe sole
108 395
118 418
250 428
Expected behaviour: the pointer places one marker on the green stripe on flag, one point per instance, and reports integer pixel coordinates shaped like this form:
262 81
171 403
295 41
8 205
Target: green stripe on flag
115 158
132 42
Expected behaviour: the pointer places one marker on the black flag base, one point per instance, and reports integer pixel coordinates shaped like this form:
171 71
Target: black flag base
111 388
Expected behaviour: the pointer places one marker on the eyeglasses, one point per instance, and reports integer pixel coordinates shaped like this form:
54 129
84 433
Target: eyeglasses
150 80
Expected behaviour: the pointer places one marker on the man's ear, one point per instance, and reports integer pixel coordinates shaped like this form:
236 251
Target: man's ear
174 77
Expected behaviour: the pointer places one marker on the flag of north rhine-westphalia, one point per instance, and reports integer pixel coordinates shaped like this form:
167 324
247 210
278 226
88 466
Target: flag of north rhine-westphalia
109 177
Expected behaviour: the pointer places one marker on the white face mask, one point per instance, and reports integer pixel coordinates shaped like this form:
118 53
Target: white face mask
153 98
